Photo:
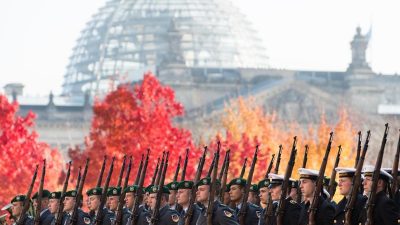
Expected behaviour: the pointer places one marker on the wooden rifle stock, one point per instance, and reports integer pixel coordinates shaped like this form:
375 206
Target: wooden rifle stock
278 160
243 168
153 181
304 165
121 172
121 200
395 186
160 169
224 176
59 214
271 163
213 187
78 179
27 200
185 165
178 167
156 211
79 197
103 199
103 166
375 177
40 193
139 171
332 183
358 148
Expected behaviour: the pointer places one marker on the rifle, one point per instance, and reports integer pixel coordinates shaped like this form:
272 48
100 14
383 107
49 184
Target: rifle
271 163
268 213
224 176
356 184
278 160
211 168
213 187
78 179
121 172
78 199
40 193
27 200
394 187
101 172
189 213
289 169
121 200
313 206
243 168
358 148
156 171
243 209
221 172
60 209
185 165
178 167
332 185
156 211
160 169
375 177
103 199
139 193
139 171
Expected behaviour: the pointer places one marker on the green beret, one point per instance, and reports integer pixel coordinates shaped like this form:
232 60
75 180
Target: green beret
55 195
148 188
254 188
45 194
185 184
18 198
154 189
71 193
227 188
206 181
131 189
173 185
238 181
114 191
95 191
263 183
293 183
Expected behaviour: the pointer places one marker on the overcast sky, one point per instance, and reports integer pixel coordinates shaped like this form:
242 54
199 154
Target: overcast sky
37 36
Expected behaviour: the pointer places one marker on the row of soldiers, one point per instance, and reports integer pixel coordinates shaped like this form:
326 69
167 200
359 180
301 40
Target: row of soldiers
370 195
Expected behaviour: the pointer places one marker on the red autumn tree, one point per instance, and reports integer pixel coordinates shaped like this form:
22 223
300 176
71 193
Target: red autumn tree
129 121
21 151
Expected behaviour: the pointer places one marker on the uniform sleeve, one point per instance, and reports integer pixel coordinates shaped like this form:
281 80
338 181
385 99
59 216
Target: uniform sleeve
226 217
389 213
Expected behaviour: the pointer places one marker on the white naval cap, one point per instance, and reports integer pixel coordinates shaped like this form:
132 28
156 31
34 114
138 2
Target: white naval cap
345 171
369 170
275 179
308 174
389 170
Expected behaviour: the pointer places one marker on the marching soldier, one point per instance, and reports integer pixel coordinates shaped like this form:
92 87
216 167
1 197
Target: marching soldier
183 199
113 194
94 201
325 211
345 184
396 197
385 210
222 214
167 216
173 188
45 216
264 190
292 208
143 214
236 193
69 204
17 207
54 202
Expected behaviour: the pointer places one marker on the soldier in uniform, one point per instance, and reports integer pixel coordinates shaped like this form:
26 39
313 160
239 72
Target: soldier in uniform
129 202
173 188
183 199
292 208
325 211
113 194
94 202
222 214
253 195
294 185
236 194
385 209
54 202
264 190
69 204
45 216
17 207
167 216
345 183
396 197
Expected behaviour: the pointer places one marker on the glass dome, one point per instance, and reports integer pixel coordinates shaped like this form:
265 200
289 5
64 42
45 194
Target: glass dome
127 38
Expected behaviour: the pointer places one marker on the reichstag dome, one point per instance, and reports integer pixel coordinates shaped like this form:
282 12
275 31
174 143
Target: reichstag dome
124 39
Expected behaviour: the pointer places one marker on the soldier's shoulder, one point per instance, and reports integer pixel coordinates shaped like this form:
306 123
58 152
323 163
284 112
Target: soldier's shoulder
173 214
225 211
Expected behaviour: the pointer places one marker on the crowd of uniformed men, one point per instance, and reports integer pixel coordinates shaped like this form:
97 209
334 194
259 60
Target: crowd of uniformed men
175 201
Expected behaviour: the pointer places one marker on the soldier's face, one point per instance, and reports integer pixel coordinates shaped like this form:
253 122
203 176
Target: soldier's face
264 195
202 194
45 203
129 199
172 197
113 202
367 184
53 205
236 193
344 185
183 197
16 209
275 191
94 202
152 200
69 203
307 187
